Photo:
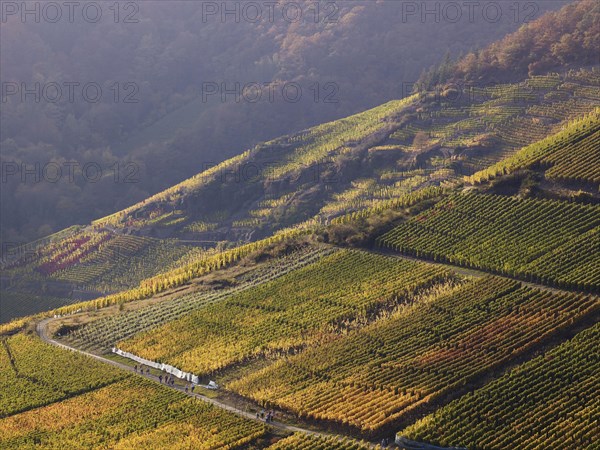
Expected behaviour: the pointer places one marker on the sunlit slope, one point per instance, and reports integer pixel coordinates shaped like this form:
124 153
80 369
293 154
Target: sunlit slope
572 155
290 159
389 158
550 242
301 441
104 333
429 139
35 374
286 315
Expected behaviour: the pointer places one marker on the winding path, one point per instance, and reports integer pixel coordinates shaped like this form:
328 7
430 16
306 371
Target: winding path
42 331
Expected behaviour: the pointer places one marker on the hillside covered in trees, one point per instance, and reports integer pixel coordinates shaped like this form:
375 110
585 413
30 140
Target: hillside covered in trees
556 41
345 56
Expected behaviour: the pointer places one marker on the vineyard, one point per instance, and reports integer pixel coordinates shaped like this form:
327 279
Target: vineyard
301 441
427 269
208 262
105 333
410 152
35 374
513 114
570 155
286 315
127 260
24 250
397 202
18 304
483 127
320 142
193 264
104 261
132 413
300 153
548 402
473 129
380 374
577 162
535 240
70 251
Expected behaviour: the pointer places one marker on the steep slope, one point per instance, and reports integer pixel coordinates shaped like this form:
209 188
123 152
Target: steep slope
570 156
549 242
153 61
501 179
387 158
55 398
402 153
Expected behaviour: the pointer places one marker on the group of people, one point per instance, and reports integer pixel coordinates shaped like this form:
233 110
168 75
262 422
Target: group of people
168 379
141 370
268 417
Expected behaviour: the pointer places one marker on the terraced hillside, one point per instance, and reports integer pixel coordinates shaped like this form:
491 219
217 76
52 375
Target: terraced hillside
426 270
392 157
429 139
104 333
569 156
165 274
